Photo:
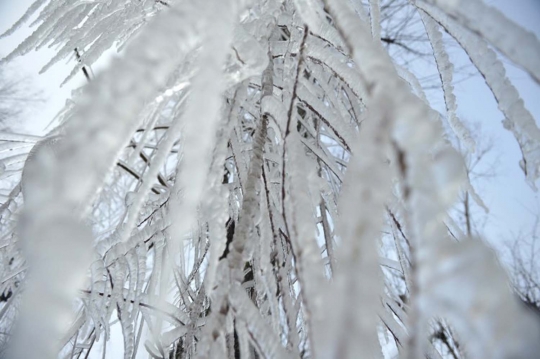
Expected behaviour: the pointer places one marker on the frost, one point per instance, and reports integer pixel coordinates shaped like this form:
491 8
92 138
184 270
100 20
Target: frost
251 179
266 343
445 70
518 119
29 12
501 32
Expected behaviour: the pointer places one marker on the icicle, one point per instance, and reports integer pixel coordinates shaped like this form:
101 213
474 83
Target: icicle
68 28
69 20
31 10
518 44
323 154
414 138
336 62
273 107
149 178
309 264
394 327
218 195
324 80
446 68
359 230
128 334
313 15
132 263
96 302
94 37
267 344
248 57
29 43
310 12
201 117
413 82
243 336
331 119
171 336
518 119
266 273
47 10
76 174
238 253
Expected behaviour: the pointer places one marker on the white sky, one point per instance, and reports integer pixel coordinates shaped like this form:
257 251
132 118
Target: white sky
29 65
508 197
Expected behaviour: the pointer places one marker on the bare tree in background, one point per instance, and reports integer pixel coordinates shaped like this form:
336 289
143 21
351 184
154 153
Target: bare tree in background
260 179
11 99
523 252
481 165
17 98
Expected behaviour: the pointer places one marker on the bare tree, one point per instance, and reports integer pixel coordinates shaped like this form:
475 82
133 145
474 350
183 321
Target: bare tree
12 98
481 166
523 253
